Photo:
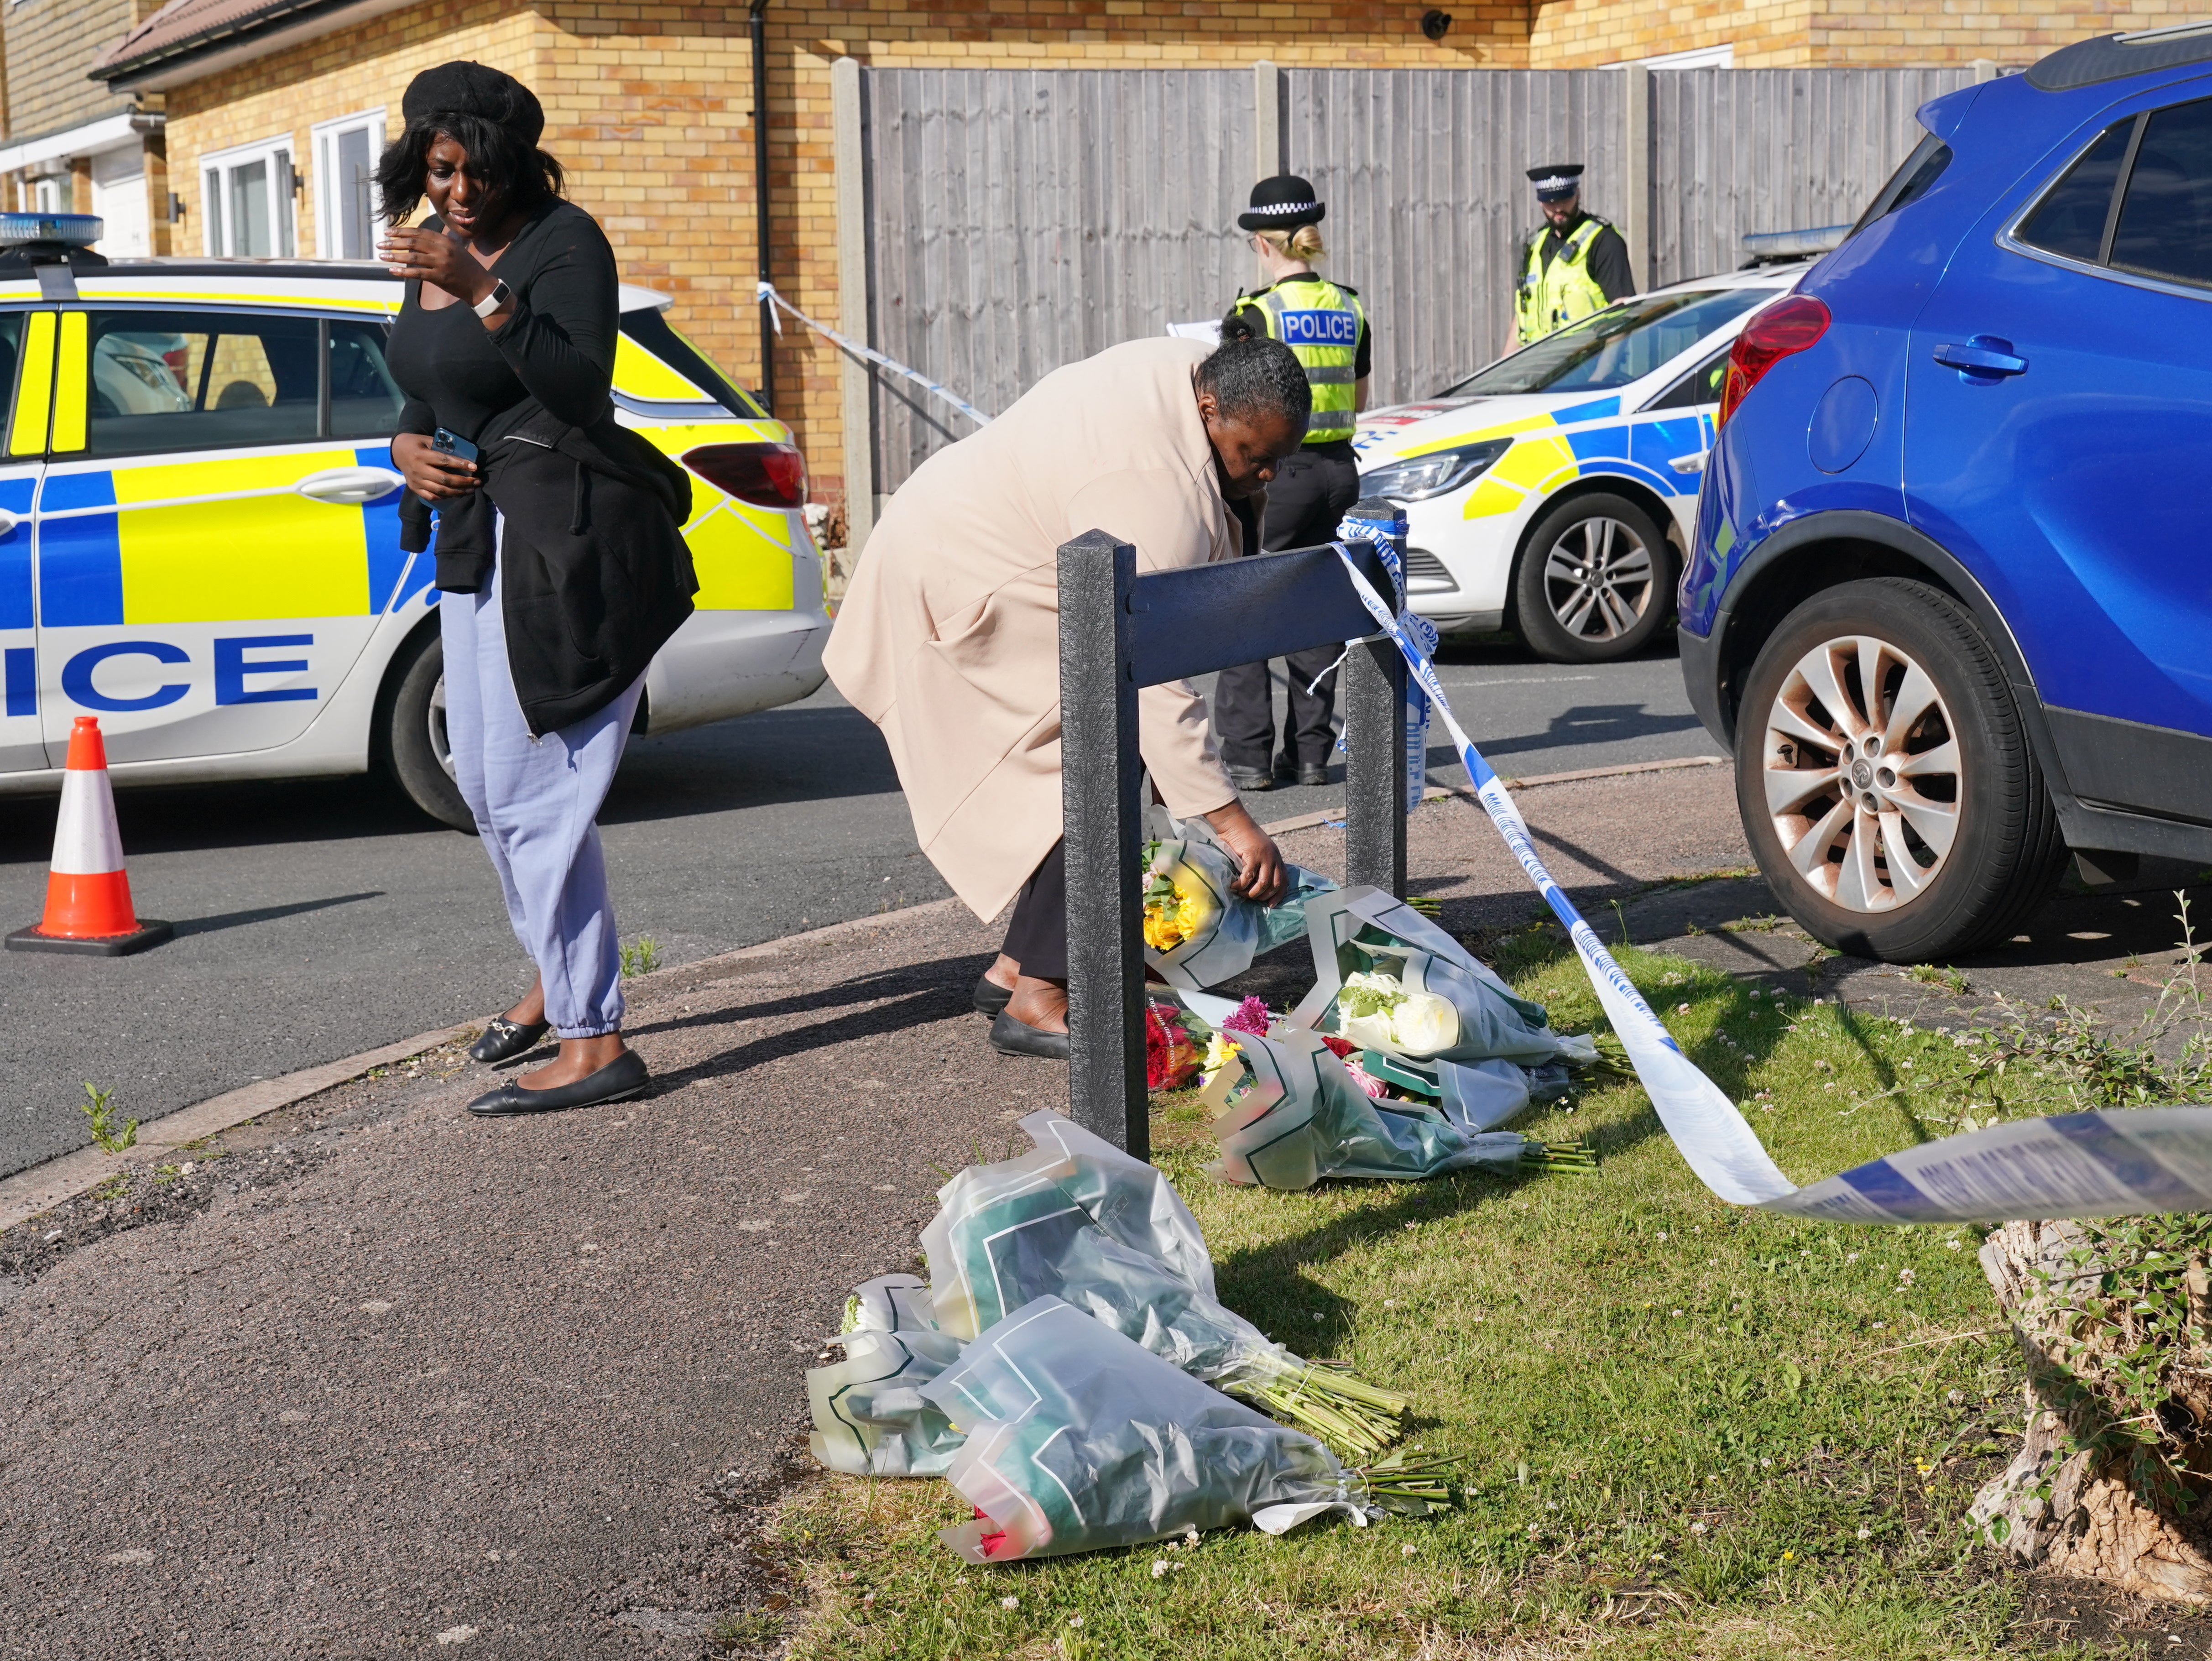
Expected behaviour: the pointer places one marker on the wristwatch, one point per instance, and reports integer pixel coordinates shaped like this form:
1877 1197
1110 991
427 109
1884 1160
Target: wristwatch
500 294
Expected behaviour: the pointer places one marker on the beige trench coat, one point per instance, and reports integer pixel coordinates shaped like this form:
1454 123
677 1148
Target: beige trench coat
948 638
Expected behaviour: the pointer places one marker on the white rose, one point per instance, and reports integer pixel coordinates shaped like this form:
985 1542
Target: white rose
1367 1031
1423 1024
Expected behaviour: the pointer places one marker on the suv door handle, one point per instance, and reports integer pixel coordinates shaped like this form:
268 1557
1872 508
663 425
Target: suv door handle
1984 358
1689 463
349 486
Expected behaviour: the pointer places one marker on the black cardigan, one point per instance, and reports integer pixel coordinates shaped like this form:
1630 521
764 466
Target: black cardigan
597 576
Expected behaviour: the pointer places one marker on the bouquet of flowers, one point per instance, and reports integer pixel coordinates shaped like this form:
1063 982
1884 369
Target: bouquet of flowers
1197 932
1014 1232
869 1417
1388 980
1288 1111
1078 1438
1173 1053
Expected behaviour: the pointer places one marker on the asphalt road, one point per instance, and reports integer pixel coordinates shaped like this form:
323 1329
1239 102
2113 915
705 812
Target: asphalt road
321 918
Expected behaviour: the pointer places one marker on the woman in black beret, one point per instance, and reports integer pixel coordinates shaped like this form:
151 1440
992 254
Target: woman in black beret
559 559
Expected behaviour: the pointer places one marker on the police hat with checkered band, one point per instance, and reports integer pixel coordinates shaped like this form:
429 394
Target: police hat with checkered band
1282 203
1555 181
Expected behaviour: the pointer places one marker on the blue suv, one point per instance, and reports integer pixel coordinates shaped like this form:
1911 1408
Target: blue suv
1950 602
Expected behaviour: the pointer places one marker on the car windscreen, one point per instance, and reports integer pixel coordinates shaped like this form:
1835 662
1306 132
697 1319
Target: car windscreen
1621 344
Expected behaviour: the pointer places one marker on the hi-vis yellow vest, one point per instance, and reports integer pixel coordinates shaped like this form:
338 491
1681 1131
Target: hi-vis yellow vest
1551 296
1320 325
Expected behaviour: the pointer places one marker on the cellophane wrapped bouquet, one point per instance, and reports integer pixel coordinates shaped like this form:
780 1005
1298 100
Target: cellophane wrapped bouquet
1199 932
1076 1438
869 1417
1081 1221
1388 979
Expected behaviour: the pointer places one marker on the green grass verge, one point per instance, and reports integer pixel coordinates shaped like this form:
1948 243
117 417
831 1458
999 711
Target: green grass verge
1689 1430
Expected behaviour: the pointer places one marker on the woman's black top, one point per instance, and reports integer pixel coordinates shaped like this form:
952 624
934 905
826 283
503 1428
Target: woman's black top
556 351
594 576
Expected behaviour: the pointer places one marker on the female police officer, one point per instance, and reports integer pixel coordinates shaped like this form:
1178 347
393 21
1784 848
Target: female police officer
1324 325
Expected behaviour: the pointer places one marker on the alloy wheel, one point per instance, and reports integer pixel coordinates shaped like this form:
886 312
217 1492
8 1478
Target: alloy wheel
1598 578
1862 773
442 743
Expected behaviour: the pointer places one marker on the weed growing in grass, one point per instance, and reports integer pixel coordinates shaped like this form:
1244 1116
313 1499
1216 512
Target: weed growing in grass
106 1136
1951 980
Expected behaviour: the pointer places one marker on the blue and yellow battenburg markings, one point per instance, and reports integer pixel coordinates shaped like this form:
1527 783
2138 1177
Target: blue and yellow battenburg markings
129 545
1582 440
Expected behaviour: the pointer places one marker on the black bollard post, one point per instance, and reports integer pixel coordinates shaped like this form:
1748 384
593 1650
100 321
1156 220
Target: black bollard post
1104 824
1375 746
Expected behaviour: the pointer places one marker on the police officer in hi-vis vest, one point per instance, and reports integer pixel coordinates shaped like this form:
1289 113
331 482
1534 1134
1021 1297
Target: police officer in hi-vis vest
1572 264
1325 325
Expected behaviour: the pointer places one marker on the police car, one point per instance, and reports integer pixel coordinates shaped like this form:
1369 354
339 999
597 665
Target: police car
1552 492
199 530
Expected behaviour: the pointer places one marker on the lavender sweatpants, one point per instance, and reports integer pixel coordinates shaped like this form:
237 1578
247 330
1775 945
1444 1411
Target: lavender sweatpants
536 801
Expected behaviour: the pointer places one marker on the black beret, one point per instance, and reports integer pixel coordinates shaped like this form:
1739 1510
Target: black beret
477 89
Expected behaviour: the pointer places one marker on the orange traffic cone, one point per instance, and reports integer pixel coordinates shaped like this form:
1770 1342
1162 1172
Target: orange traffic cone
87 894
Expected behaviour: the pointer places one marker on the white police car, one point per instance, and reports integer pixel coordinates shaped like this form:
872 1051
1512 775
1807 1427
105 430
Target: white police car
1552 492
200 535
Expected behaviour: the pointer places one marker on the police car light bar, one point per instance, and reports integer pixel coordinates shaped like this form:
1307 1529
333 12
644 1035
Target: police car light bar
65 230
1792 244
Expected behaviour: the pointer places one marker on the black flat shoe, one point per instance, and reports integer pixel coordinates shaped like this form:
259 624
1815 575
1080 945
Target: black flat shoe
503 1039
622 1077
1011 1038
990 997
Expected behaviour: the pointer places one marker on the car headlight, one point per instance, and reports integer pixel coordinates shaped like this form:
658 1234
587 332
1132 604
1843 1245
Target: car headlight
1432 474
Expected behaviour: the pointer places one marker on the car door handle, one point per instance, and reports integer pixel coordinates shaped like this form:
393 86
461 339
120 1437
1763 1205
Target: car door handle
349 486
1983 355
1689 463
8 522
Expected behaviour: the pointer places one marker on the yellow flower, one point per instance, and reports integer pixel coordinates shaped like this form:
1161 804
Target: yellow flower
1219 1049
1169 923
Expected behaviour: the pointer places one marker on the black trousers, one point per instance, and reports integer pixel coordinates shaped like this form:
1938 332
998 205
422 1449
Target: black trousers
1036 935
1313 490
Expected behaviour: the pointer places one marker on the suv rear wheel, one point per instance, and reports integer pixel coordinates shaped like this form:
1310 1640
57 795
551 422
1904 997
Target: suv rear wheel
1596 580
413 741
1886 786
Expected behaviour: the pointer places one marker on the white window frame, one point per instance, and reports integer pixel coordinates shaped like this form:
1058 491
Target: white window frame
323 138
217 231
1721 57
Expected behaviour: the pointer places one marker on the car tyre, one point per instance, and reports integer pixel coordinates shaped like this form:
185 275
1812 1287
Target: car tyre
1910 826
1596 582
413 734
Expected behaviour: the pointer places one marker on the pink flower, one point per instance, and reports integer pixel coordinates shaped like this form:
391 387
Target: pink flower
1249 1016
1366 1081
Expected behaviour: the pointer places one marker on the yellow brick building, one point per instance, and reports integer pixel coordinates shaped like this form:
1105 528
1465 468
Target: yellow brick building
269 106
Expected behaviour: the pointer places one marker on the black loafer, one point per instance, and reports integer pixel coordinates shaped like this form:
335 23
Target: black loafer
1251 778
1011 1038
990 997
625 1076
503 1039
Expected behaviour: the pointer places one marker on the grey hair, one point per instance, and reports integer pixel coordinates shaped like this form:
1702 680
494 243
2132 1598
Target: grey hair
1257 378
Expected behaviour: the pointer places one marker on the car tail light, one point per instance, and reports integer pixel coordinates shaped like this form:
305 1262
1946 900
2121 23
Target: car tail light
766 475
1788 326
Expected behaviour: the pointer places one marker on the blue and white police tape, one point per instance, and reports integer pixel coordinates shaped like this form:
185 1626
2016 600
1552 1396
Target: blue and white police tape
1388 535
766 291
2120 1163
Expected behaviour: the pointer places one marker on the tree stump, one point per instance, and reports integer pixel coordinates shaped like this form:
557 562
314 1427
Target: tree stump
2093 1524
